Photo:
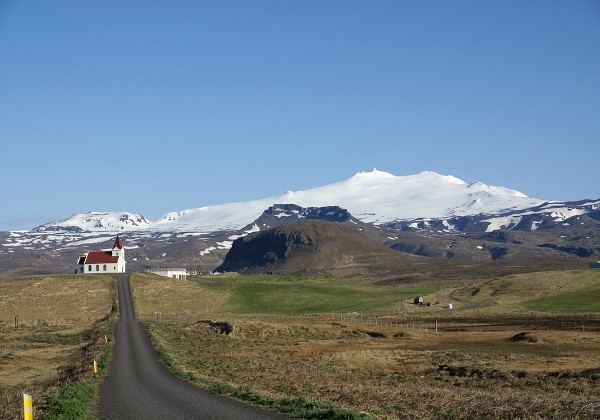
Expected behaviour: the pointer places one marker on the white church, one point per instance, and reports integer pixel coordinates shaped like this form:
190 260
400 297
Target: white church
105 261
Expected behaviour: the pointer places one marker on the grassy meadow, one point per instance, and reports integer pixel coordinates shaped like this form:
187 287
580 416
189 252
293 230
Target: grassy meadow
263 295
296 295
520 346
584 300
578 291
62 320
568 291
516 346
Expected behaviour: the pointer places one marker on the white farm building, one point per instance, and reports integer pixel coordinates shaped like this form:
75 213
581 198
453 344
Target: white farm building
105 261
175 273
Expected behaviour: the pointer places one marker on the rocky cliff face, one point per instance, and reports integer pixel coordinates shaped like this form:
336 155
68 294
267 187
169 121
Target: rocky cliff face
308 245
285 214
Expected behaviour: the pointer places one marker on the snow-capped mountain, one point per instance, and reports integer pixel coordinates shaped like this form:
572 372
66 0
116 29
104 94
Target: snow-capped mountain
427 214
373 197
98 221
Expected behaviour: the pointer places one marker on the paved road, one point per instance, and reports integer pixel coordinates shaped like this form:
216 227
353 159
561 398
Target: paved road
139 386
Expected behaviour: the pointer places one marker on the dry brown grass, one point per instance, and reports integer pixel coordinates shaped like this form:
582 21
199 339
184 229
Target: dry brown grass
394 366
466 370
60 321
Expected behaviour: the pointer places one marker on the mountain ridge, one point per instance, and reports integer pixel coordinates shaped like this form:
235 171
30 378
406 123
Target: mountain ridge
376 197
199 239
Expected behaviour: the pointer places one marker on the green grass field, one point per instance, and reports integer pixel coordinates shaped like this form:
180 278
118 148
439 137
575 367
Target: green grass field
289 295
581 300
568 291
564 291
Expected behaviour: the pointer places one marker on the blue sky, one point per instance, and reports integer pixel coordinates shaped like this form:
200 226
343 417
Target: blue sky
157 106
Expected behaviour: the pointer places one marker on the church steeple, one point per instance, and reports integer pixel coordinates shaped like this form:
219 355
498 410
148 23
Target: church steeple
117 244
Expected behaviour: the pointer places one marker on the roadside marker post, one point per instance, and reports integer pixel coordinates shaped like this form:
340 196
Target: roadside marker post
27 407
95 367
105 339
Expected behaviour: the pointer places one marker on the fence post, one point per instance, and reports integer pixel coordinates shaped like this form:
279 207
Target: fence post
27 407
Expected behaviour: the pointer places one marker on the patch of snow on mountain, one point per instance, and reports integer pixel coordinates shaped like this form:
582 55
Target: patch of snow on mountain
207 250
497 223
90 241
560 215
13 244
254 228
448 226
224 245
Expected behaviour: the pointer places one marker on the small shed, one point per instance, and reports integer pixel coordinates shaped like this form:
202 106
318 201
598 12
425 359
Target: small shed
418 300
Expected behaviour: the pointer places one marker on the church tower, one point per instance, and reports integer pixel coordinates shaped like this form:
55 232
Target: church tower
118 250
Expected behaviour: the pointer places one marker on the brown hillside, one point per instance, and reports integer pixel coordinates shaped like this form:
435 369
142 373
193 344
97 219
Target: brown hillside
305 246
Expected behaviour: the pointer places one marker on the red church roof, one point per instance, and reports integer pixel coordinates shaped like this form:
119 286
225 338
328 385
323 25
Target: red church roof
117 243
99 257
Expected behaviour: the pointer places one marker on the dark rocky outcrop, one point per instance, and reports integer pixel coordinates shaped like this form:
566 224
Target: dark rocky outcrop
305 246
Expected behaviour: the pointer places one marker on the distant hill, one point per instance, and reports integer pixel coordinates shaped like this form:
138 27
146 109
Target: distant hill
304 246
